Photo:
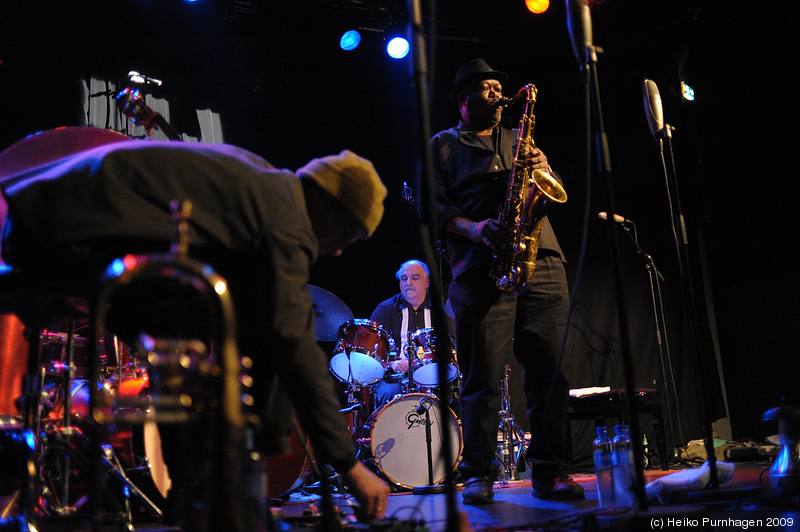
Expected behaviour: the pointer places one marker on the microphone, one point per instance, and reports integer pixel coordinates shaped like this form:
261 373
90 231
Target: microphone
615 217
424 404
579 25
652 107
137 78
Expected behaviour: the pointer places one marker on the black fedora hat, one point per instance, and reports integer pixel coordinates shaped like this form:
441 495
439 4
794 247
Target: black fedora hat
472 71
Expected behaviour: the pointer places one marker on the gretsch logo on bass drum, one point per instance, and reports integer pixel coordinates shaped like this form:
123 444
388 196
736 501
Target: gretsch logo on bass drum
413 419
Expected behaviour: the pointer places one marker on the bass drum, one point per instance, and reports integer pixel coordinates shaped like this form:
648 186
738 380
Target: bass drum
398 442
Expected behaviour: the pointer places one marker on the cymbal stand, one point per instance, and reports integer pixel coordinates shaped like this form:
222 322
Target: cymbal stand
59 503
69 375
411 357
513 445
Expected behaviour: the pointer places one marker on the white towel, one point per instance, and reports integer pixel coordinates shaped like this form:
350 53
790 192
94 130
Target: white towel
688 479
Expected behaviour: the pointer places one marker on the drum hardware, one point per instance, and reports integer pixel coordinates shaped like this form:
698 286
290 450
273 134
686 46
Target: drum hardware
511 439
69 375
113 466
64 462
135 466
51 482
360 402
411 357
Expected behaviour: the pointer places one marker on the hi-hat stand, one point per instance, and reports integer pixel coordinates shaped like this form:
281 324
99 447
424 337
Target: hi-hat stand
512 446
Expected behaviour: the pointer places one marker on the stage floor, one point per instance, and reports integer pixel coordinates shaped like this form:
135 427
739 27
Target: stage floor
725 508
739 504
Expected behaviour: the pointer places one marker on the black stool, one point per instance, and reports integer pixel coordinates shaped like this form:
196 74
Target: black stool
611 404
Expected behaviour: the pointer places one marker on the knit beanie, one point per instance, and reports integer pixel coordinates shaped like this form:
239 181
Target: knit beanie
353 181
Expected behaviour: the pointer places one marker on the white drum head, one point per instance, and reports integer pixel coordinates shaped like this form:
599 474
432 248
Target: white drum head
427 376
399 445
356 367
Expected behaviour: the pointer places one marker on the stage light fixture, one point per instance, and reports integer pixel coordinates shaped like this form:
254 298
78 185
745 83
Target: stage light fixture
397 47
350 40
537 6
687 92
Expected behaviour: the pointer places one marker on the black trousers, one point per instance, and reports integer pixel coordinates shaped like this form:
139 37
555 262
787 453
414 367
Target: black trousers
488 324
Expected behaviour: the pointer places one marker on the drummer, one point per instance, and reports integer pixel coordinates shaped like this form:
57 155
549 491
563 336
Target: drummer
401 314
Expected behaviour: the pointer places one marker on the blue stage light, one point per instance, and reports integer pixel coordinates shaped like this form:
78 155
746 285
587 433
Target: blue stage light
350 40
397 48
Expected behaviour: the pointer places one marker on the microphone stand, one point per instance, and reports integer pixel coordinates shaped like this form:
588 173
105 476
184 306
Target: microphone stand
662 341
579 24
700 358
429 233
425 404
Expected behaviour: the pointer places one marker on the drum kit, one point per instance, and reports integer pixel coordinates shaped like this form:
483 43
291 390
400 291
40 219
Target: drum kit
402 439
136 476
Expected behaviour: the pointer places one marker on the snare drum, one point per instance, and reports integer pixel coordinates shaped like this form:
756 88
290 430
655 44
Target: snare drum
361 353
426 371
398 441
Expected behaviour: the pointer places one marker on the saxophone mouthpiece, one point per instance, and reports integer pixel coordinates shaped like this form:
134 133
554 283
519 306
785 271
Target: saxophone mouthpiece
523 92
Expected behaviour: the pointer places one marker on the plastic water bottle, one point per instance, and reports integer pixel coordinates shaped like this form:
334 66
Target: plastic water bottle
623 466
603 464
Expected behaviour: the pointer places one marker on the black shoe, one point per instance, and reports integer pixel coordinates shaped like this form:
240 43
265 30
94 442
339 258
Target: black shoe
478 490
556 486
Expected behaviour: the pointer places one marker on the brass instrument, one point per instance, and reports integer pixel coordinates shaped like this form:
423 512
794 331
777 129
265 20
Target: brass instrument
528 196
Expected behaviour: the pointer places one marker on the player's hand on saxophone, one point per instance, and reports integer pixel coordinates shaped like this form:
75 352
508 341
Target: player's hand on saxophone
494 234
537 160
490 232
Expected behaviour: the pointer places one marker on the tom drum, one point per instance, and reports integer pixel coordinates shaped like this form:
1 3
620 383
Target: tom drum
426 371
361 353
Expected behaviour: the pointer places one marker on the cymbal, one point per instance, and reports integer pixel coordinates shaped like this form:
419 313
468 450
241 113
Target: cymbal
330 313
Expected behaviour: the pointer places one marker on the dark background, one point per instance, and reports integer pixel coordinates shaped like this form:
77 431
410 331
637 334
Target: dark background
286 91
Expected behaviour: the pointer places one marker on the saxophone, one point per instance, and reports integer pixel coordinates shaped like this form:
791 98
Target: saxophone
528 196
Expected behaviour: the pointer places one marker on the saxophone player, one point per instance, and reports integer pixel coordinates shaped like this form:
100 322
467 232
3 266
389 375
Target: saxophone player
472 164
